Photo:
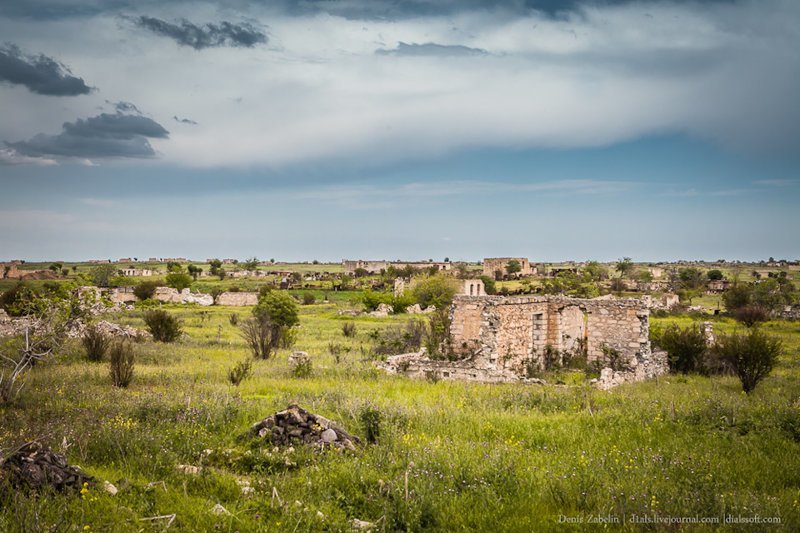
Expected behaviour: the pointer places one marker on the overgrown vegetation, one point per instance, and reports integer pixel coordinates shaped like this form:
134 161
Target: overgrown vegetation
95 342
121 363
752 355
240 372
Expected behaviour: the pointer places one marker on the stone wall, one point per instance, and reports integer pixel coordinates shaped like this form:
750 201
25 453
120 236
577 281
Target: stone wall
502 338
493 264
238 298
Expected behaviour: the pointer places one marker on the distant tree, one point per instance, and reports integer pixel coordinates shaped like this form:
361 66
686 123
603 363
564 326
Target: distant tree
625 267
281 311
65 272
102 274
360 272
174 266
179 280
251 264
435 290
74 268
690 278
596 271
55 267
644 276
715 275
194 271
513 266
446 259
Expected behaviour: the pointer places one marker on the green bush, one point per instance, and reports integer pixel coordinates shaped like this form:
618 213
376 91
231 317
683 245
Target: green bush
372 299
163 326
309 298
750 315
370 418
179 280
303 369
14 300
752 356
435 290
95 342
145 290
686 347
258 333
279 310
400 338
122 363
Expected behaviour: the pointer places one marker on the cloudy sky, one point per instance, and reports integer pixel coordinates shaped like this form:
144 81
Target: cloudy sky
323 129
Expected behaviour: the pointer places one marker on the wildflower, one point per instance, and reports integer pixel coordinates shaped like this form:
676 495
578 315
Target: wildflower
85 491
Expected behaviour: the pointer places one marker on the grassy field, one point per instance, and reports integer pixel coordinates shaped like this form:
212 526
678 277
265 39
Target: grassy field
451 456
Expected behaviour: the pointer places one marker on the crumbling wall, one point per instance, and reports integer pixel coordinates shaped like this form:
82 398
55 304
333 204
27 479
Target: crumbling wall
238 298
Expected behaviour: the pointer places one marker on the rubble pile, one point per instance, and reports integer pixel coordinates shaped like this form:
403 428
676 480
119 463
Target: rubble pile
295 425
34 466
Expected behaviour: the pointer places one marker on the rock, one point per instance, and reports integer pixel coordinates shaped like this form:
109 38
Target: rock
34 466
361 525
414 309
328 436
188 469
109 488
297 357
429 309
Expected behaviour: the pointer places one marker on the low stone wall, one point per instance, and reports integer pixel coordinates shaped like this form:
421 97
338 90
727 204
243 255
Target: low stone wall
238 298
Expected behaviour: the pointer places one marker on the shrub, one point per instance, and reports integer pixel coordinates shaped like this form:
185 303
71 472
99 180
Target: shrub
233 319
370 418
122 363
336 350
400 339
349 329
303 369
752 356
258 333
489 285
102 274
163 326
279 310
750 315
95 342
686 347
437 333
435 290
145 290
309 299
15 299
242 371
372 299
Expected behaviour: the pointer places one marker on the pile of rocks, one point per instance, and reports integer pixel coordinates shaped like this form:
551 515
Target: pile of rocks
34 466
295 425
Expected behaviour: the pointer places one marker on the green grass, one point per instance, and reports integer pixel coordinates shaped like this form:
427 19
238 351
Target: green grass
451 456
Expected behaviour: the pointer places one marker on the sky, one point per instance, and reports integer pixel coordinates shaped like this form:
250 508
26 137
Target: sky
388 129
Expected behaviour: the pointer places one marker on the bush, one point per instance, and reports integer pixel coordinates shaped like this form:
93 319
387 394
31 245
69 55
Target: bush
400 339
242 371
233 319
163 326
372 299
489 285
349 329
145 290
95 342
14 300
437 333
435 290
258 333
750 315
309 299
279 310
752 356
686 347
370 418
122 363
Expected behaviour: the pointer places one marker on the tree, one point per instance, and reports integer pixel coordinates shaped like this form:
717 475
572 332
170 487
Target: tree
513 267
752 355
55 267
102 274
435 290
624 266
690 278
174 266
360 272
179 280
644 276
250 264
596 271
280 309
194 271
715 275
258 332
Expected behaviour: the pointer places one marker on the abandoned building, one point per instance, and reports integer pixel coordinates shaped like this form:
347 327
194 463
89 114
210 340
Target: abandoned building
375 267
497 339
496 267
137 272
472 287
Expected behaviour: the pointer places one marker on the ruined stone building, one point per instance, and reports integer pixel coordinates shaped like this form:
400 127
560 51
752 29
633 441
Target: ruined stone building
497 338
472 287
495 267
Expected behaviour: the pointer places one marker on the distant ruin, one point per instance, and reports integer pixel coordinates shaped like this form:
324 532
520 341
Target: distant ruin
496 267
497 338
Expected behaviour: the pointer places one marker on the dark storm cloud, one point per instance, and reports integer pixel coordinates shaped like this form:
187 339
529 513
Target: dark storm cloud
40 74
432 50
207 36
105 135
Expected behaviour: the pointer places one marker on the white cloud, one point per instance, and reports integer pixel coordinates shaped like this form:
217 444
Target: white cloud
9 156
318 91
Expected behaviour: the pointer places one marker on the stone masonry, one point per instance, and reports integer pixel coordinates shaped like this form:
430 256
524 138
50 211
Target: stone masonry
501 338
493 265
